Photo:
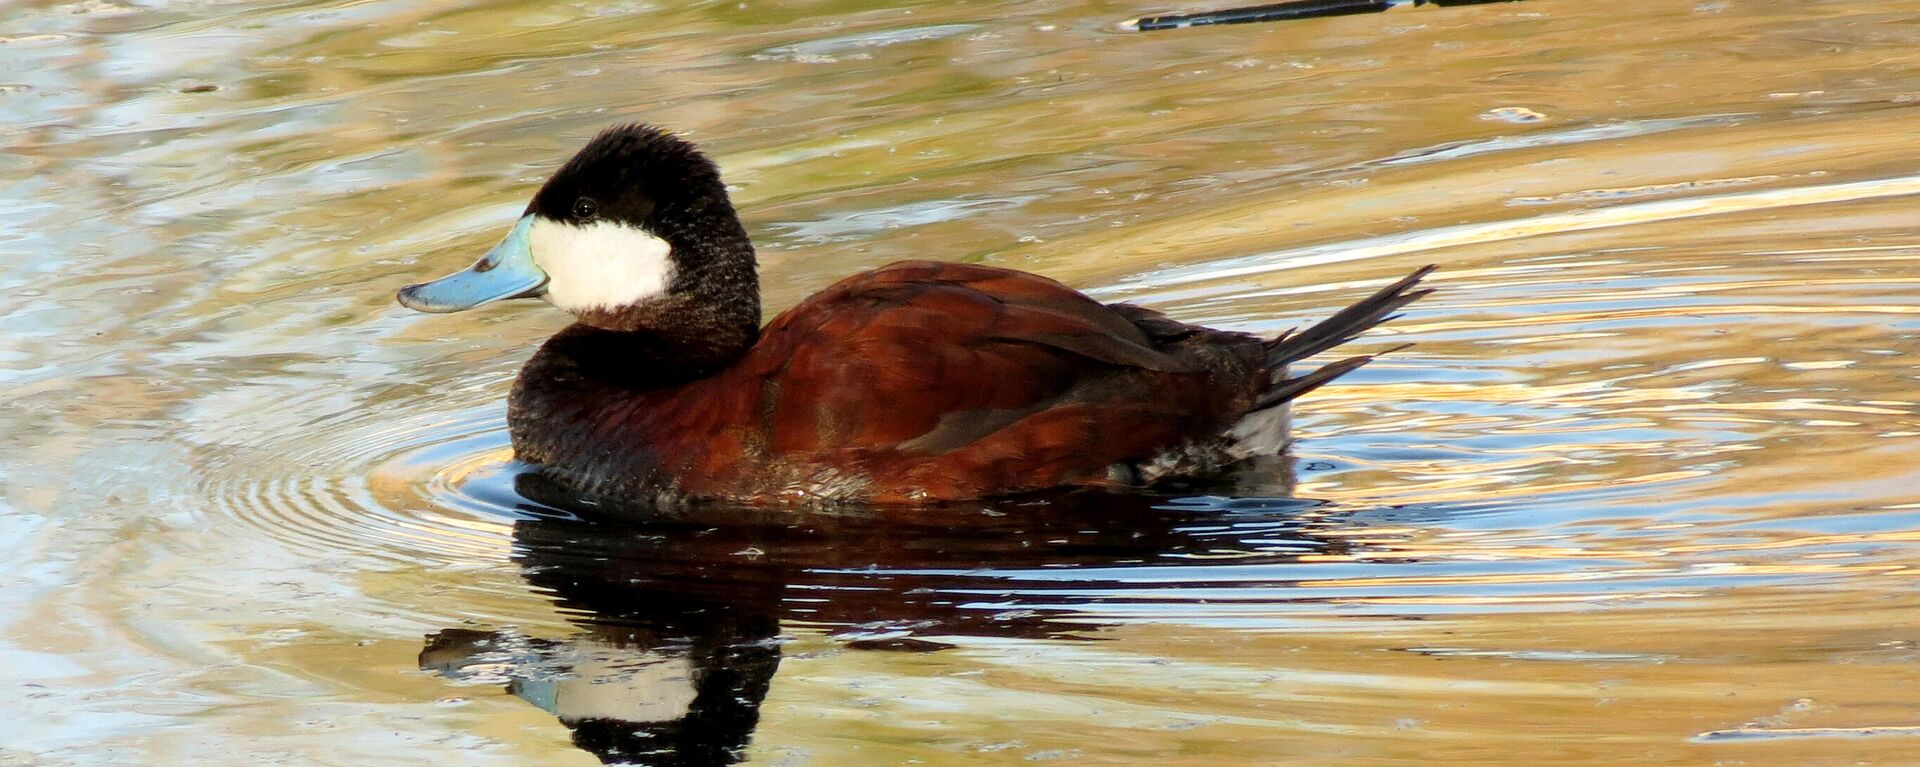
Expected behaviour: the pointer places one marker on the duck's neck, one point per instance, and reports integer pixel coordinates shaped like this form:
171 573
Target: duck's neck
710 315
678 333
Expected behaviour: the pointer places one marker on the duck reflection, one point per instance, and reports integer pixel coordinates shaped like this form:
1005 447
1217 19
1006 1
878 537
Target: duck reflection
681 614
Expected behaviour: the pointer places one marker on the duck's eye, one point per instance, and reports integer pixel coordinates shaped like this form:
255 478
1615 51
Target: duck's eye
584 209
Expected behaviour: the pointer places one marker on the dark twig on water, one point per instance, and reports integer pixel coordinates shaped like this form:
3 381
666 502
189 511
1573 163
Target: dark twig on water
1299 9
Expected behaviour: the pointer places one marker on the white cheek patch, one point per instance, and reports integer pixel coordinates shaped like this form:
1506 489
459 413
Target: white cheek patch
602 265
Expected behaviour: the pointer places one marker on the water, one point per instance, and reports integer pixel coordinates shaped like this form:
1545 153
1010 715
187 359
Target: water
1645 491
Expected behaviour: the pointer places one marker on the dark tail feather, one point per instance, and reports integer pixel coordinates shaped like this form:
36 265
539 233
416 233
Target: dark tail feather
1334 331
1287 390
1348 323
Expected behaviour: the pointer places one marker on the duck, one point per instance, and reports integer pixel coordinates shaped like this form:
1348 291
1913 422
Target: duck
917 383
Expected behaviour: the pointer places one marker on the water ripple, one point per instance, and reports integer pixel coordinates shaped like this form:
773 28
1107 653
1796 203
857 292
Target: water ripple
414 488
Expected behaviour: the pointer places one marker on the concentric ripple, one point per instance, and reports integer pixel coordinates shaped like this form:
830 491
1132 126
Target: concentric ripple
417 487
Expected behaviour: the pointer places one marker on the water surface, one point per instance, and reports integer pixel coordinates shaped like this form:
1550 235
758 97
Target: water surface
1647 490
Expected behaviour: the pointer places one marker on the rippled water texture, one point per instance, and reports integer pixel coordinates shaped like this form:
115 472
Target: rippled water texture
1646 491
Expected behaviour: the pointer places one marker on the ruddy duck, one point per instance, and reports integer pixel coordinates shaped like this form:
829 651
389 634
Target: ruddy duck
919 382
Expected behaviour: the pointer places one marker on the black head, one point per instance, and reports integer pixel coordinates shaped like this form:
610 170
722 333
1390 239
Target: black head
634 233
637 176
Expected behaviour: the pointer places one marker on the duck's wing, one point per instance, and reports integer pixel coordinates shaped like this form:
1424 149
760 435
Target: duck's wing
930 358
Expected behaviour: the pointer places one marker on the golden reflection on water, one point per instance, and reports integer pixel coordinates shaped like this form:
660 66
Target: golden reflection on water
1643 492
